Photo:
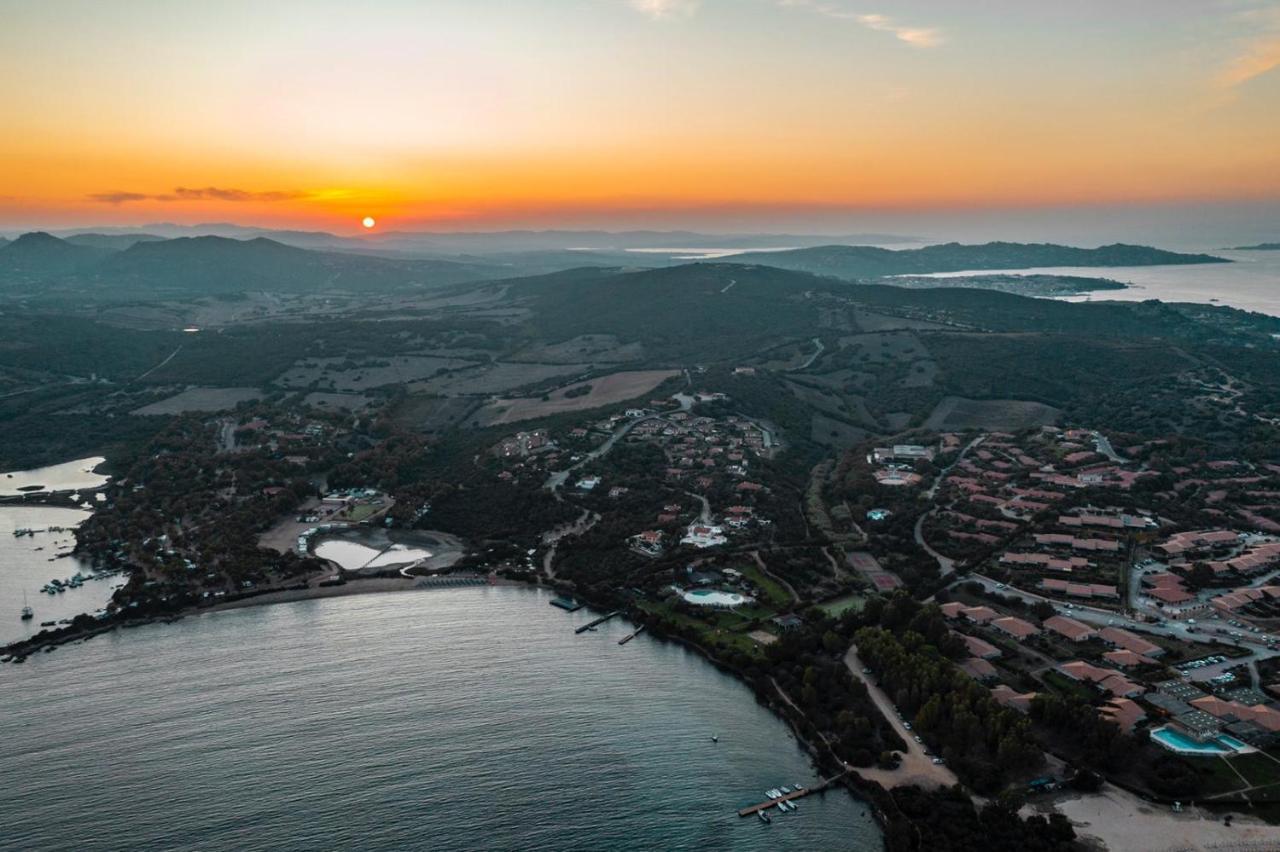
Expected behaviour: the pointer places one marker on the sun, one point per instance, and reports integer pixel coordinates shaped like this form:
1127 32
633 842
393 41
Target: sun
368 221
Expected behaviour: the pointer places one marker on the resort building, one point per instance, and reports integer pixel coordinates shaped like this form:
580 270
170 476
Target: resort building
1070 629
1015 627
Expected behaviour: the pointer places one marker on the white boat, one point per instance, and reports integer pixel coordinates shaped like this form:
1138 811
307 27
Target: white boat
785 790
764 817
773 794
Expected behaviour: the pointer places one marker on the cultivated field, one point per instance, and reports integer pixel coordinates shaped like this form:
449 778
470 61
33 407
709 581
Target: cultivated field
201 399
956 412
606 390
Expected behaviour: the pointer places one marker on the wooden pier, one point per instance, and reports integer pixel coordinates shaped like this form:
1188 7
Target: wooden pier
625 639
787 797
601 620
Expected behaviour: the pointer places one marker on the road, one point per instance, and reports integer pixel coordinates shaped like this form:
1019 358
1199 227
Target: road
946 565
172 355
915 767
555 480
1204 631
814 357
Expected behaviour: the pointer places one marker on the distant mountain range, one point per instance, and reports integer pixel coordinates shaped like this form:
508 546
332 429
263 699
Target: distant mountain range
427 243
122 266
39 264
1258 247
853 262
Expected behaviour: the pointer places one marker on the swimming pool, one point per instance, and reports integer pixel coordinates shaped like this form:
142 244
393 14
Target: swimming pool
711 597
1183 744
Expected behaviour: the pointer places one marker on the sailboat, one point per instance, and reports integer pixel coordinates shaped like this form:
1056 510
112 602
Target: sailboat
27 612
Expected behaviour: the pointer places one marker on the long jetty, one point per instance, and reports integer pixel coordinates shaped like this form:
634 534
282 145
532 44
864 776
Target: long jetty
601 620
625 639
794 794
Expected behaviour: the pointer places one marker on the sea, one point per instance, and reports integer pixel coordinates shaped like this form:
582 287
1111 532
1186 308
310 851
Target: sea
449 719
1251 282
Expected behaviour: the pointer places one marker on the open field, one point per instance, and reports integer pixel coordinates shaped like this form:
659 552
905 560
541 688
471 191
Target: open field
836 433
341 374
201 399
870 321
433 413
605 390
1002 414
598 348
334 401
494 378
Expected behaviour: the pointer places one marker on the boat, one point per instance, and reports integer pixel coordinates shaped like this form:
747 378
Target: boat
764 817
774 793
799 786
785 790
785 806
48 624
27 612
715 738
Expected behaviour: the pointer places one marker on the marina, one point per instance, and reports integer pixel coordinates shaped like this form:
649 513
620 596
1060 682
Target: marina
592 625
783 798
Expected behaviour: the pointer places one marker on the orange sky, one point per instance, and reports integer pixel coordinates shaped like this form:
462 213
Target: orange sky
544 112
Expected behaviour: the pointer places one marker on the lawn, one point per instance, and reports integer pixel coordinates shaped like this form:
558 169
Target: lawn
841 605
725 630
771 590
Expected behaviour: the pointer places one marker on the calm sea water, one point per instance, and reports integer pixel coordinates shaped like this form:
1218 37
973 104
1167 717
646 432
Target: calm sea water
1251 283
442 720
29 562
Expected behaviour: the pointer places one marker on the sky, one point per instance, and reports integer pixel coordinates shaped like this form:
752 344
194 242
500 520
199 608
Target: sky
717 114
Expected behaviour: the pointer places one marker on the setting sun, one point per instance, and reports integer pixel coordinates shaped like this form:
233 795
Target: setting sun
368 221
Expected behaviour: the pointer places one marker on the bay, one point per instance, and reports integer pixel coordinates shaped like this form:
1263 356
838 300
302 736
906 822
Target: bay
444 720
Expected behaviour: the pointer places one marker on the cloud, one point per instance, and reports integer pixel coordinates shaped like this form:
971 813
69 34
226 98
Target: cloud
665 8
207 193
914 36
1260 52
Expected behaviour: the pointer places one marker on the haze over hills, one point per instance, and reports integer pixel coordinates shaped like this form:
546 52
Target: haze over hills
486 242
215 265
871 262
127 266
1259 247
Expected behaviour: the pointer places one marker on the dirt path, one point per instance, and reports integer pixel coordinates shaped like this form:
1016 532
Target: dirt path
584 522
915 767
172 355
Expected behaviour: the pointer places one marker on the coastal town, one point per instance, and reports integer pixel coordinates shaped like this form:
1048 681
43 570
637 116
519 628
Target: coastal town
1059 620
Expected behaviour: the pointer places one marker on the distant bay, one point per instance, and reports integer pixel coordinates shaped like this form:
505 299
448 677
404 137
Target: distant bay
1250 283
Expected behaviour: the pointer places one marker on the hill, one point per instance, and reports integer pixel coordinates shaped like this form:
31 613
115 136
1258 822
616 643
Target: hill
1258 247
197 266
37 255
111 242
853 262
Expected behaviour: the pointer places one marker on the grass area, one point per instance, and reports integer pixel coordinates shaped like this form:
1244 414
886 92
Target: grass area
1216 774
770 589
360 512
1257 768
841 605
724 629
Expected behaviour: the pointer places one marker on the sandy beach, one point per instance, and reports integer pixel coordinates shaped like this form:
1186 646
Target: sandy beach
1117 820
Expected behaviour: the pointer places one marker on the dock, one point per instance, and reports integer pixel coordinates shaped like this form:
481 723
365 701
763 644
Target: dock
601 620
625 639
567 604
751 810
